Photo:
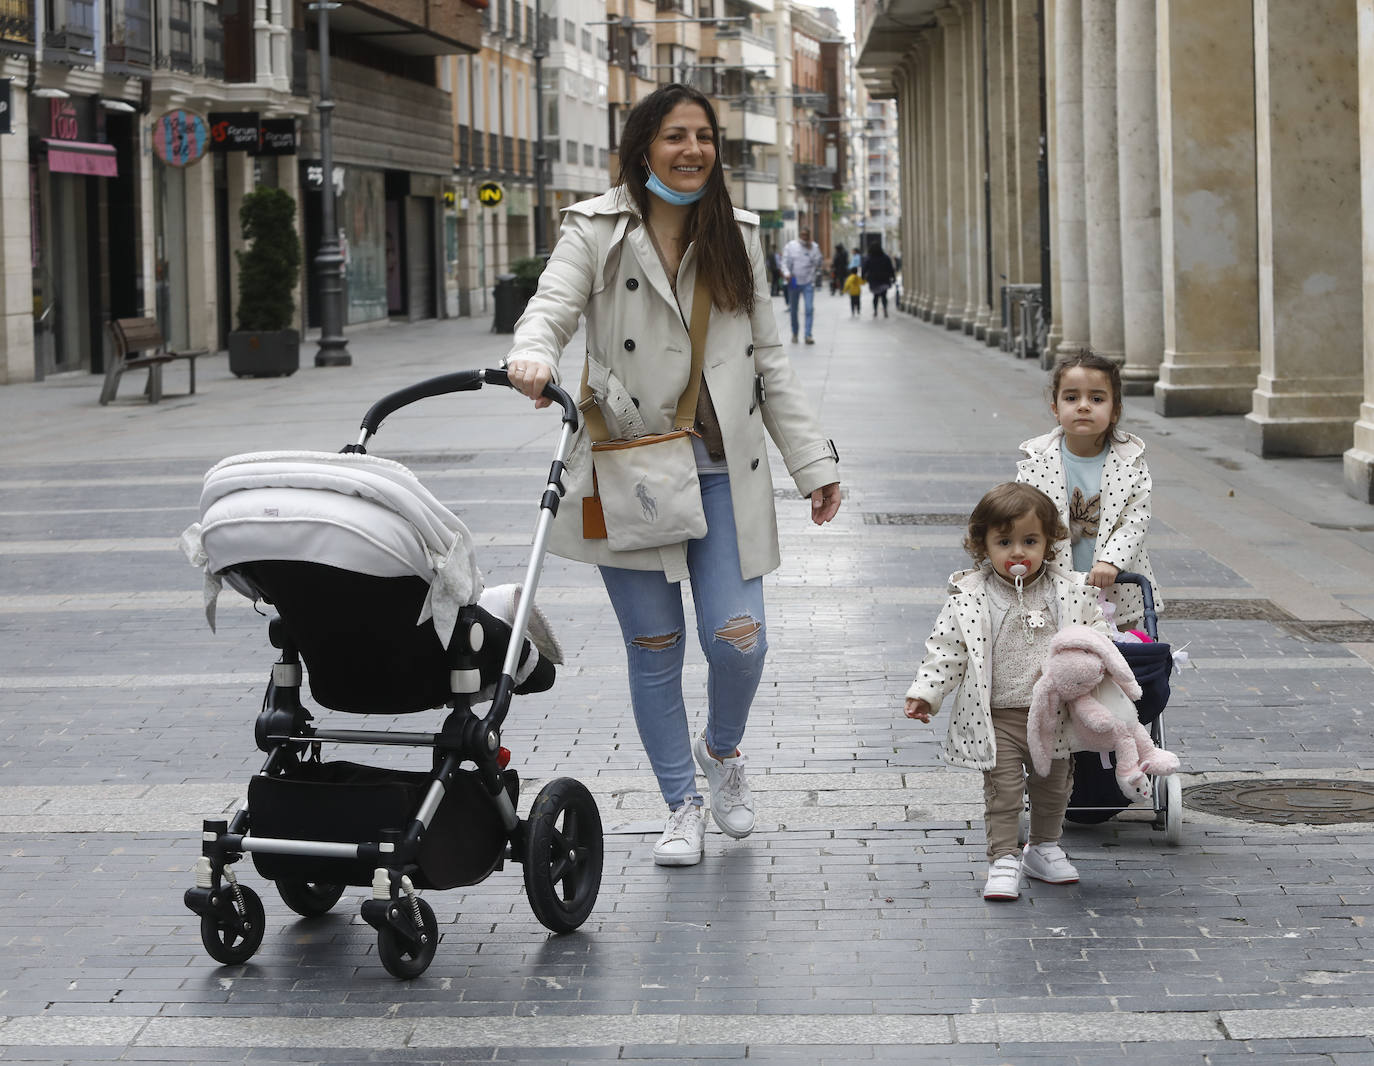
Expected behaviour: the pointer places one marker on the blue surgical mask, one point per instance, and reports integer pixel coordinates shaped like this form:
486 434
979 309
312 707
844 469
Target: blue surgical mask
681 199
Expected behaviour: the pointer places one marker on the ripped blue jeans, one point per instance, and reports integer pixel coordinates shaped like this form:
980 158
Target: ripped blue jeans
730 629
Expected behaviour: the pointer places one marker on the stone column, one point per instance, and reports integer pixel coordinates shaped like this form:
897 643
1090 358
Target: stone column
1137 126
975 166
1072 256
1050 148
202 301
1101 190
931 168
939 185
1001 138
956 132
1308 183
908 219
1023 37
17 357
1359 460
1208 236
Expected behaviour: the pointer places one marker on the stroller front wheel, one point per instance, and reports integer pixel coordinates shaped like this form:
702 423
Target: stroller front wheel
405 956
309 899
563 855
231 934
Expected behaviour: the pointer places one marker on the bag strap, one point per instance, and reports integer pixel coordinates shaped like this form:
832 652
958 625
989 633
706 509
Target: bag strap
686 415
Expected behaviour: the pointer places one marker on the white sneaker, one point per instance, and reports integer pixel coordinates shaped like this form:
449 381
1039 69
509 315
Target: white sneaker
1004 879
683 837
732 804
1047 862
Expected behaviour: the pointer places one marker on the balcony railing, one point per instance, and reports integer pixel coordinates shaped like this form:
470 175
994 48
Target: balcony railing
464 147
811 176
129 33
71 33
16 26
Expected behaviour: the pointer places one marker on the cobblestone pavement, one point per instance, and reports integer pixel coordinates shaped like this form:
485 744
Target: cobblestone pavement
849 927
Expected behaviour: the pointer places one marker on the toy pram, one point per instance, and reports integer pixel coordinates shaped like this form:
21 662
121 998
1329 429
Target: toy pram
379 598
1096 797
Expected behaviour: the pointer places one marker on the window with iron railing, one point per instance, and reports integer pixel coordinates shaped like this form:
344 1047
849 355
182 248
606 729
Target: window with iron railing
464 146
551 150
478 155
70 26
176 52
17 24
129 32
522 156
213 41
508 154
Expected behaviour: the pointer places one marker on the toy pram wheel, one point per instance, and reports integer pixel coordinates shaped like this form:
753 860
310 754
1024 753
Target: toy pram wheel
563 853
402 956
232 940
309 899
1173 810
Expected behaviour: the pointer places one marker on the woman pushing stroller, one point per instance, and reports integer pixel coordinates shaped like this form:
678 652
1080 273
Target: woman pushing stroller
635 261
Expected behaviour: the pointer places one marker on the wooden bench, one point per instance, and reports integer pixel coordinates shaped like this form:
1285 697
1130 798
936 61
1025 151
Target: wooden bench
138 343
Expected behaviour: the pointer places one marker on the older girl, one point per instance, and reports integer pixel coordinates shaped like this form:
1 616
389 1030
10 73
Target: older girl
629 260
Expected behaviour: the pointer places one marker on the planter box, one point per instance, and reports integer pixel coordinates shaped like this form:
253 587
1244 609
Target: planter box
265 355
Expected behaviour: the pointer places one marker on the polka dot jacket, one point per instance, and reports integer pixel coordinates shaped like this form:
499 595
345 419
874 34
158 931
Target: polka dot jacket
957 656
1125 516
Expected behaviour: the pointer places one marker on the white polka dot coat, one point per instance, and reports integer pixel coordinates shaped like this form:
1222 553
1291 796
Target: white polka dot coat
957 656
1125 514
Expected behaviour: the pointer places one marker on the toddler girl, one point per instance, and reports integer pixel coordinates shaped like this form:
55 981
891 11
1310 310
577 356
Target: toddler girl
990 640
854 286
1097 477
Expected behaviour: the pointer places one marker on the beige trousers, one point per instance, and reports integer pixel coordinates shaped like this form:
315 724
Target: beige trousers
1011 778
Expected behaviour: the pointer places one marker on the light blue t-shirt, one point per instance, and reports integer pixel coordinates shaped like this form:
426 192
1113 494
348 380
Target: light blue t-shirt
1083 480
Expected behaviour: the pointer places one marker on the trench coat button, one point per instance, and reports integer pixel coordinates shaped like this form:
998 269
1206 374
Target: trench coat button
754 465
749 350
629 346
752 406
632 284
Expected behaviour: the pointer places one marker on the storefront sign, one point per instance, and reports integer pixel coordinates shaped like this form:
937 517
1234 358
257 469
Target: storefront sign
314 176
278 137
489 194
6 99
180 138
234 131
80 157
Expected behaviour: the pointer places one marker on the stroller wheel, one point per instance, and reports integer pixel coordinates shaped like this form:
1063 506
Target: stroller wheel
405 956
232 934
309 899
563 855
1173 810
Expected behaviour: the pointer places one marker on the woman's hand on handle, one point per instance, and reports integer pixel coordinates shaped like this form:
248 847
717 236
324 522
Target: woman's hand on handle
530 376
825 502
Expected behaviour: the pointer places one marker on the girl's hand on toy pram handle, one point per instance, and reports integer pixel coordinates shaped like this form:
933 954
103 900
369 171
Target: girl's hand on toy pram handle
1102 575
530 376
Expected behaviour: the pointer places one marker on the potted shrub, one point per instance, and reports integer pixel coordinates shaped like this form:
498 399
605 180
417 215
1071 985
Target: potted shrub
265 345
526 273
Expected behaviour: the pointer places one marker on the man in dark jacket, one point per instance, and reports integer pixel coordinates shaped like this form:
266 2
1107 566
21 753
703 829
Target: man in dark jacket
839 268
879 274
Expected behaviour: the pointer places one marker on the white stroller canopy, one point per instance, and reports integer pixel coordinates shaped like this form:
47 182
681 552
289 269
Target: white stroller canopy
356 512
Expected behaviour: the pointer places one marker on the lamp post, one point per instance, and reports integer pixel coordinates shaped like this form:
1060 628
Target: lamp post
541 239
333 350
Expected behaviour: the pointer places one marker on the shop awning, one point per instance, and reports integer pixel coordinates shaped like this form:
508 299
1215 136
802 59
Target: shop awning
82 157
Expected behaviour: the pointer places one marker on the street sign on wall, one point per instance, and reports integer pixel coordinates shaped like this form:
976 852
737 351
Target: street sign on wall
180 138
234 131
489 194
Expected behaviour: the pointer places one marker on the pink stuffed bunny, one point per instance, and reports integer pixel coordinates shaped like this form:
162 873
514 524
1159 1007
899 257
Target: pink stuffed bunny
1079 659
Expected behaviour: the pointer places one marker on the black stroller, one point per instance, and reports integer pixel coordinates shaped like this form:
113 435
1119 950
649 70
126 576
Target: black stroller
378 597
1096 798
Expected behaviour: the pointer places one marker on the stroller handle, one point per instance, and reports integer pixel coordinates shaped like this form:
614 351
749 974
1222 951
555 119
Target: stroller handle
1148 593
462 381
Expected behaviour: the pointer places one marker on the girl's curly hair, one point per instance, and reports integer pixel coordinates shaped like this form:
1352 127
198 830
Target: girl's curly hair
1001 507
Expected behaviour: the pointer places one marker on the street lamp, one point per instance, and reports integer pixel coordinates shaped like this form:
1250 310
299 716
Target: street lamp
333 350
541 239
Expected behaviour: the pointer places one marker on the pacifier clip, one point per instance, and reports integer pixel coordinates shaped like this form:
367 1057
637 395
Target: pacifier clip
1030 620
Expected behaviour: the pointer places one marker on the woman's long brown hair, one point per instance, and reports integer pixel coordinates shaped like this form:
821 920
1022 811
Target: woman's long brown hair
711 222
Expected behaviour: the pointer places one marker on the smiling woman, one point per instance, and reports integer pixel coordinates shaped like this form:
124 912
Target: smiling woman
664 248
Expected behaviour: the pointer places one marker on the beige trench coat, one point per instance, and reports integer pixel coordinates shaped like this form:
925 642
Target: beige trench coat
605 266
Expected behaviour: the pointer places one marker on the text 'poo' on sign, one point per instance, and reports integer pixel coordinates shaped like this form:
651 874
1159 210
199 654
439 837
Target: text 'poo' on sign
490 194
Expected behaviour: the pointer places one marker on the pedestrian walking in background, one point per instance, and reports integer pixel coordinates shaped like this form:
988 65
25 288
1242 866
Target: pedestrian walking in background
629 260
989 641
801 262
839 269
773 262
1098 479
879 274
854 287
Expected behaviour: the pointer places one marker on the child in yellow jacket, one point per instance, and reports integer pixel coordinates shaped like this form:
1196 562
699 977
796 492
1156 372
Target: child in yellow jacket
853 285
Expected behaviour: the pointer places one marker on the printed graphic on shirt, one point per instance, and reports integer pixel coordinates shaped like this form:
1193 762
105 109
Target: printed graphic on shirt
1084 515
